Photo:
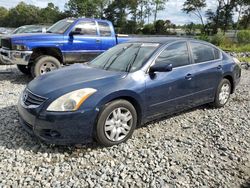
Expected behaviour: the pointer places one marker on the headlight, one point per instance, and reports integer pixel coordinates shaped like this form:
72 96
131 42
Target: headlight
20 47
71 101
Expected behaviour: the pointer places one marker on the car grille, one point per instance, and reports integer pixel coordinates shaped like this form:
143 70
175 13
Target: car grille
31 99
6 43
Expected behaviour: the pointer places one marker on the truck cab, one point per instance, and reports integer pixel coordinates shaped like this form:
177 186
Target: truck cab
70 40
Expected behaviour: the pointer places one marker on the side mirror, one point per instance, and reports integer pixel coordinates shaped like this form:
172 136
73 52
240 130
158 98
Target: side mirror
161 67
76 31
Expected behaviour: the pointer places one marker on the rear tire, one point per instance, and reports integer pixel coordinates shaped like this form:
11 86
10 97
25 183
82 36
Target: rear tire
222 94
44 64
116 123
25 69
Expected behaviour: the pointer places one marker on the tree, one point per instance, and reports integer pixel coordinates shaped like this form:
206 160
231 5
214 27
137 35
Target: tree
3 15
117 13
190 29
223 16
22 14
86 8
195 7
243 14
158 6
50 14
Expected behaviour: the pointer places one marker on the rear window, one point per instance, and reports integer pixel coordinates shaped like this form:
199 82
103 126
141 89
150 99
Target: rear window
104 29
203 53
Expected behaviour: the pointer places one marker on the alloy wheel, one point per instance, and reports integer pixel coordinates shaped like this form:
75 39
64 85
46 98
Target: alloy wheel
224 93
118 124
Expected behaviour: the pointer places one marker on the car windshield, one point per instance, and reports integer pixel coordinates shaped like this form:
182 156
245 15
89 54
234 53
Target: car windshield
126 57
61 26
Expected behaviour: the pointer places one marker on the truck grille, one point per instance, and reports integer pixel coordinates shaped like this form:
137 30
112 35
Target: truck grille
6 43
31 99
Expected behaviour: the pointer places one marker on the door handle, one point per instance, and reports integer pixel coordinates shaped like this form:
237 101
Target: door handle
219 67
189 77
98 40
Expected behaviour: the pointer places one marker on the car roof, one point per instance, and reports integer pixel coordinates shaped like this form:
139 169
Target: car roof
160 40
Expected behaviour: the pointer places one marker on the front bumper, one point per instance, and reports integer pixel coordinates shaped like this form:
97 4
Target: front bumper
12 57
59 128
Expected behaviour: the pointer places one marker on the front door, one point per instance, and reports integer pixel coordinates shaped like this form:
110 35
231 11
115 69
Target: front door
167 92
84 46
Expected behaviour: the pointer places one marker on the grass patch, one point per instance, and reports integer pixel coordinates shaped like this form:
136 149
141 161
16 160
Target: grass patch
244 59
235 47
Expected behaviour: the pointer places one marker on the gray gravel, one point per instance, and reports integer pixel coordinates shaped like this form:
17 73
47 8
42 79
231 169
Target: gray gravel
203 147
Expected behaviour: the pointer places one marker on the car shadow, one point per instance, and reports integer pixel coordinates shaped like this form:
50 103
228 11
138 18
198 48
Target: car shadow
205 106
14 76
246 184
13 136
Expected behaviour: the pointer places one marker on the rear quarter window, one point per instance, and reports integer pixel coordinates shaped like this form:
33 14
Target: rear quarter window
104 29
204 53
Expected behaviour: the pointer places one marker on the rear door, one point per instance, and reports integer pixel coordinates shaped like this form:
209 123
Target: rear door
86 45
207 64
108 38
167 92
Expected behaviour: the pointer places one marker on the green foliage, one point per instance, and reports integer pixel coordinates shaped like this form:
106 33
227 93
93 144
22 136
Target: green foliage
244 59
148 29
204 37
243 36
24 14
236 47
3 14
86 8
195 7
218 39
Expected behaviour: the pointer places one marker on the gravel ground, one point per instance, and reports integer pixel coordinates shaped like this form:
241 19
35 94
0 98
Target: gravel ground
203 147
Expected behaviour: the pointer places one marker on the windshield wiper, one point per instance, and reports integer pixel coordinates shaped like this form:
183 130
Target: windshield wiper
49 32
129 66
117 55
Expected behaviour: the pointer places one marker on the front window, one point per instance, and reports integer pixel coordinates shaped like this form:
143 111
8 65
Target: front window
61 26
86 28
175 54
126 57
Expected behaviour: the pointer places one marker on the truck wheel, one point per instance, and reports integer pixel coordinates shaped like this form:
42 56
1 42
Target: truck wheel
116 123
44 64
24 69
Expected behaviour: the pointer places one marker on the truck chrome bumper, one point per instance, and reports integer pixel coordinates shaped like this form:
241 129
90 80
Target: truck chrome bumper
11 57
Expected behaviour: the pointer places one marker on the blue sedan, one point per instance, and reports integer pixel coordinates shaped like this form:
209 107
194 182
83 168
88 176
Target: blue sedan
128 85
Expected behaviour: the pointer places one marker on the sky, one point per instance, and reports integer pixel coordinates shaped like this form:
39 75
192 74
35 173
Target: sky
172 12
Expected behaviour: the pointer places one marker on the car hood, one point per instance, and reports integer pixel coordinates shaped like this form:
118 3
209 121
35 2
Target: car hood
33 36
74 77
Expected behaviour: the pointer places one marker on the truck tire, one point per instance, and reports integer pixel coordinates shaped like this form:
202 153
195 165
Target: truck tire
44 64
24 69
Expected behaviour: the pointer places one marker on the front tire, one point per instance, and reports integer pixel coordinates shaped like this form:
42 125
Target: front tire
222 94
25 69
44 64
116 123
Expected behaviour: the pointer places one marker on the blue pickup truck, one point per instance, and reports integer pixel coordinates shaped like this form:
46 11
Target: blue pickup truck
69 40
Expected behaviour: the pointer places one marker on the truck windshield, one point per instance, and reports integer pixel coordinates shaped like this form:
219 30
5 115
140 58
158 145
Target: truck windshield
61 26
127 57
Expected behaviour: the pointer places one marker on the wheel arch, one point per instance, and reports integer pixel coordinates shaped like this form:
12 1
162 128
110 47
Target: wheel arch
230 79
50 51
129 96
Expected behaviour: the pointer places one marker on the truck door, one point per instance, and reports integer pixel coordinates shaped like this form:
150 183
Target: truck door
108 38
84 44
